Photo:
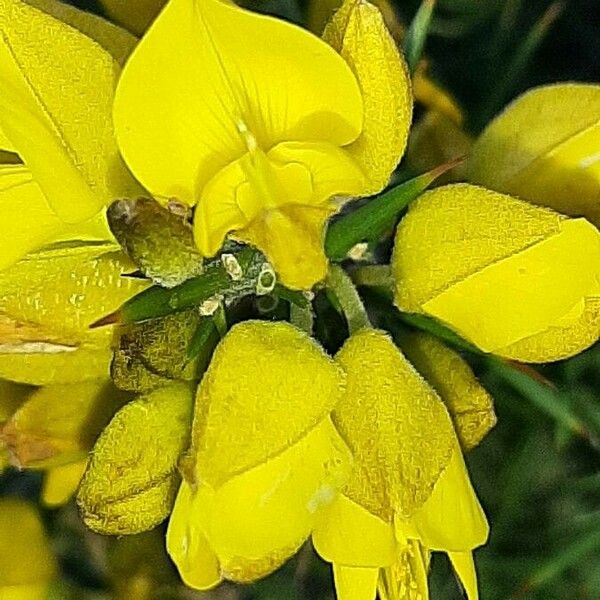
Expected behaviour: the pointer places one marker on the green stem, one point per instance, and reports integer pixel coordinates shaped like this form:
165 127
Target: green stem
373 276
302 317
352 306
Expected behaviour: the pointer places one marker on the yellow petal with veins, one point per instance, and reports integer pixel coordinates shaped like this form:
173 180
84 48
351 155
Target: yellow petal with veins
359 33
192 97
55 109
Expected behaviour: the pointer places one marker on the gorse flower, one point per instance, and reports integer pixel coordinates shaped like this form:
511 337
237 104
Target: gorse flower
516 280
408 492
263 131
266 143
250 494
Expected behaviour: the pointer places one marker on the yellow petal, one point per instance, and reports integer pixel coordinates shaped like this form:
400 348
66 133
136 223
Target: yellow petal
29 220
395 425
118 42
268 384
499 271
192 97
59 423
451 519
187 545
465 569
26 558
544 148
469 404
47 302
132 478
259 519
355 583
292 239
359 33
55 108
347 534
135 15
61 483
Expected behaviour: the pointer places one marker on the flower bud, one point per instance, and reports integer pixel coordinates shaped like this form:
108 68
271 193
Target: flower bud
132 478
514 279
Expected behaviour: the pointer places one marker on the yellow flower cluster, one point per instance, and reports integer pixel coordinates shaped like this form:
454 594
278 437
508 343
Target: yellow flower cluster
267 130
359 451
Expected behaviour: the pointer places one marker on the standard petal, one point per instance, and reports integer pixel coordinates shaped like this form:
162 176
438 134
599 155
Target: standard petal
359 33
544 148
348 534
268 384
355 583
259 519
467 401
192 96
395 425
55 105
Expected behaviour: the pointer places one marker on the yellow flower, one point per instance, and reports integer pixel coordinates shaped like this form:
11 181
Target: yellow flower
265 456
261 125
27 564
514 279
55 116
409 492
544 148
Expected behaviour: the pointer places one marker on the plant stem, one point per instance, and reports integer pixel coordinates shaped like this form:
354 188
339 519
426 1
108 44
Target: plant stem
352 306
